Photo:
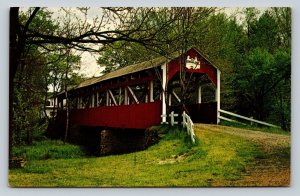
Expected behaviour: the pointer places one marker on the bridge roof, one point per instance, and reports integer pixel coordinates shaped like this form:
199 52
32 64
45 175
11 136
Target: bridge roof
135 68
128 70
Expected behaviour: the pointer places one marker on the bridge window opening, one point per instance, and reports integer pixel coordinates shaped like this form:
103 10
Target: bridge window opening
62 104
59 103
108 101
90 104
174 94
199 89
85 101
80 105
157 89
191 89
191 96
73 103
174 91
119 95
94 100
208 93
78 102
140 91
101 99
132 99
113 97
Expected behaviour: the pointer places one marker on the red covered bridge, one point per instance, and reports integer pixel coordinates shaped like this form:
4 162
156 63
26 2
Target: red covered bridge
135 97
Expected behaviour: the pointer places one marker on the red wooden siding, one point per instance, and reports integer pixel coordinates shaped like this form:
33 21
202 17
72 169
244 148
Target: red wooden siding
173 68
136 116
206 67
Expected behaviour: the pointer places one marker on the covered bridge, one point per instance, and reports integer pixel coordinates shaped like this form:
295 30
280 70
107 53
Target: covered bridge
136 96
133 96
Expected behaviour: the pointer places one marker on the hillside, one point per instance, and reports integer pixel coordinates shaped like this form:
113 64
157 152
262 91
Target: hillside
224 156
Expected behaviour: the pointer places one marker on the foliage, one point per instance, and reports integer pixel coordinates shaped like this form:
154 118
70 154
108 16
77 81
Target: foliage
28 98
56 66
180 133
170 25
262 78
38 70
48 149
225 33
121 54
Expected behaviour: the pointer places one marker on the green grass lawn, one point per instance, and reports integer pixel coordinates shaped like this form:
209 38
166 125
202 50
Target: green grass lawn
218 159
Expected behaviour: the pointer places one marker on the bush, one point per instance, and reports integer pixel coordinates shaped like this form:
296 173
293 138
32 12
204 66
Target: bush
178 132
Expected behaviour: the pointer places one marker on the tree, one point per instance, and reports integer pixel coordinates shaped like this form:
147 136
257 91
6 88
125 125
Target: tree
38 68
55 76
29 90
263 76
222 40
254 80
282 17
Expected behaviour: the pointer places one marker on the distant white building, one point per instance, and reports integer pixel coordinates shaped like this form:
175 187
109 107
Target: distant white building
50 111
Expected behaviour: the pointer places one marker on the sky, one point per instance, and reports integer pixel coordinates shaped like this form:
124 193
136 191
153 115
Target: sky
89 66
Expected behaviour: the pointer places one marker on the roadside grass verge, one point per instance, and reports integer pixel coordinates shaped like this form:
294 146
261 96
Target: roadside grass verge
217 159
255 127
271 166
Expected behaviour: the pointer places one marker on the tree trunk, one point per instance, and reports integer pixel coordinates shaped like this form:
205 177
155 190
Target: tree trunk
66 96
45 104
67 115
29 136
13 19
259 107
283 120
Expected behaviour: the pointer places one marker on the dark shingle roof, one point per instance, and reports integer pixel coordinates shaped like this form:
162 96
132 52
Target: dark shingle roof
129 69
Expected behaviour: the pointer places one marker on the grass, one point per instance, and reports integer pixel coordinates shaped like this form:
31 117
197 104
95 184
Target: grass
255 127
271 166
49 149
217 159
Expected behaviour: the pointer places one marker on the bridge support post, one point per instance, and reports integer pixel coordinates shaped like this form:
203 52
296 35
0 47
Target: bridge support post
218 96
199 94
164 90
151 91
93 101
